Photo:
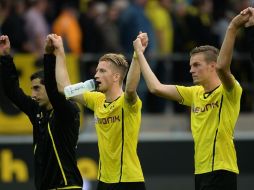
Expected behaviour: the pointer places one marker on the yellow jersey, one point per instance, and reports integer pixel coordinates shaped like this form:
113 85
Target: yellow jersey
117 126
213 119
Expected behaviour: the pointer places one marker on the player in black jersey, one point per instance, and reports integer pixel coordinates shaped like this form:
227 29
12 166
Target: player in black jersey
55 121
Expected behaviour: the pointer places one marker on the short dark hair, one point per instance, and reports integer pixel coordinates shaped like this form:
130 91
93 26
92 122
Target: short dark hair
210 52
39 75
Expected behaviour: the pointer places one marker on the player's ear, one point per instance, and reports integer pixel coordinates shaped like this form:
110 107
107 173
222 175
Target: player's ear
116 77
212 64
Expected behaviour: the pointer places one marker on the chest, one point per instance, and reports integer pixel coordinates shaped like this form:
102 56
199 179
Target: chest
41 122
206 104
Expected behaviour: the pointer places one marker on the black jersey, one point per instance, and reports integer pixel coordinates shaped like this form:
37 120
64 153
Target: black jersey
55 132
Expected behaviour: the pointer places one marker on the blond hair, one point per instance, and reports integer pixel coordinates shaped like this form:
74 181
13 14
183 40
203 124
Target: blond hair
119 61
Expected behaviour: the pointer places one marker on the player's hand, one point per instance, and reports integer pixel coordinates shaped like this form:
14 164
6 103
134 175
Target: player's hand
239 20
57 43
144 40
49 47
138 46
5 45
249 10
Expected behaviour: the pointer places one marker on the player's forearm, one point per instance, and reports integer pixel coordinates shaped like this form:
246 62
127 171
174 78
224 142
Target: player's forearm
133 76
151 80
226 51
62 76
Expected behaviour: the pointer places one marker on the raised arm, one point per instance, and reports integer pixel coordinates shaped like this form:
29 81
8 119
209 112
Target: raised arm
133 75
10 79
153 84
226 51
62 76
64 109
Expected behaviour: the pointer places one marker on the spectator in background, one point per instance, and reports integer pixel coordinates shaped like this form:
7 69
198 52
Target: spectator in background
181 27
36 26
4 12
250 31
159 13
131 21
200 21
14 27
222 15
109 29
91 37
67 26
91 41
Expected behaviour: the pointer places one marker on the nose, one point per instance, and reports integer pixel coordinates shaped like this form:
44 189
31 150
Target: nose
33 95
96 75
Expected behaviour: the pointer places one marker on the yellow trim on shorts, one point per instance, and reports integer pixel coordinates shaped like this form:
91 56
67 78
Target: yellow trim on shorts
58 159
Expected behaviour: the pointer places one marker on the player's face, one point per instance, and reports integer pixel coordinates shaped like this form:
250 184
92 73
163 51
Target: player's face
39 93
104 76
199 69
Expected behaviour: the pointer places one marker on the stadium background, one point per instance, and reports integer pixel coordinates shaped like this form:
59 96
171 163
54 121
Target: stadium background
165 146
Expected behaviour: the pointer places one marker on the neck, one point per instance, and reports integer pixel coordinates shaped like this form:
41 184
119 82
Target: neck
211 84
48 107
113 94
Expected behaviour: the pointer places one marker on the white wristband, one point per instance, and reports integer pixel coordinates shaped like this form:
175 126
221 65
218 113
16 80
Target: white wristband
79 88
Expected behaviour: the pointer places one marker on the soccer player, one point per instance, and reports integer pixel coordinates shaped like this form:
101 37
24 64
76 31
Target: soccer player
117 117
55 122
215 104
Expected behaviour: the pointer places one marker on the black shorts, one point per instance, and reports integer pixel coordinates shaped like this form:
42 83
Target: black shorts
121 186
216 180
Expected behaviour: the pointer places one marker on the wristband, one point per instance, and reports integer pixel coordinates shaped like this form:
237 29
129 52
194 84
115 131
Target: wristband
135 55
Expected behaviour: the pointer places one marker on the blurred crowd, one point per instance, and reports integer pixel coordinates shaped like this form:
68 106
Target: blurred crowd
94 27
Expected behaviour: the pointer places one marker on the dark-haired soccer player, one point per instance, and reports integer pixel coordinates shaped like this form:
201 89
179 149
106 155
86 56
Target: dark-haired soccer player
215 106
55 122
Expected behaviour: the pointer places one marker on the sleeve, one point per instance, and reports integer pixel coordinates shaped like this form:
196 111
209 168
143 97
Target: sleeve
12 89
234 95
250 40
133 107
90 99
186 93
61 106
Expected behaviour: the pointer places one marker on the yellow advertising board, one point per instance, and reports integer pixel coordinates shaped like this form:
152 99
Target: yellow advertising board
12 120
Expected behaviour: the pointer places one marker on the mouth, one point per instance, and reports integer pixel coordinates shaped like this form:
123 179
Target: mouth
36 100
97 84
